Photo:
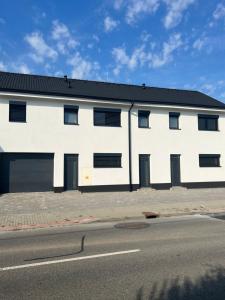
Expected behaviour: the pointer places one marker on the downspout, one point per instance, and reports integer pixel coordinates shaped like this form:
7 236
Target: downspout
130 147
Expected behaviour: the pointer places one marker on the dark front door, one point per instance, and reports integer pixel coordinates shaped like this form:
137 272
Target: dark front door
175 169
26 172
70 171
144 170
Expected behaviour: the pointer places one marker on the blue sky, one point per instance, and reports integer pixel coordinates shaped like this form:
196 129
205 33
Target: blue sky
166 43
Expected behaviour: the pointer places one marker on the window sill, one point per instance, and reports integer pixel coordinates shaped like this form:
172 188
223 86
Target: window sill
17 121
108 167
208 130
211 167
107 126
175 128
144 127
71 124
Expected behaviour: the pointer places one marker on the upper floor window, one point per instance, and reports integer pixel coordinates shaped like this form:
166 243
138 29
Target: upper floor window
107 160
17 111
107 117
208 122
209 160
174 120
143 119
71 115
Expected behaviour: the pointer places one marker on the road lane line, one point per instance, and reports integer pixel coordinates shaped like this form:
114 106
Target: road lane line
51 262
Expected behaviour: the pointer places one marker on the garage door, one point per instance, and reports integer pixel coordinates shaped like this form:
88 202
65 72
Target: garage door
26 172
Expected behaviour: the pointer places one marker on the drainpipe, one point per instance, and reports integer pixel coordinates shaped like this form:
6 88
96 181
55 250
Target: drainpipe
129 146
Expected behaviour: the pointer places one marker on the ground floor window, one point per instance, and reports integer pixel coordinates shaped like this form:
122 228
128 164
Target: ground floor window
107 160
209 160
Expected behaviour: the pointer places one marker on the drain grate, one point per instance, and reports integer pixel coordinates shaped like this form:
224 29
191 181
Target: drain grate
219 216
132 225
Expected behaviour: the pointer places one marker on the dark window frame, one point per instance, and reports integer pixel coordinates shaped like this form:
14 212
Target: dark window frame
106 110
13 105
212 156
71 108
206 119
105 155
177 116
147 114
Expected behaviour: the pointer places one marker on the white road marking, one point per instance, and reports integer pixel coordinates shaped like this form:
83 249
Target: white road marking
51 262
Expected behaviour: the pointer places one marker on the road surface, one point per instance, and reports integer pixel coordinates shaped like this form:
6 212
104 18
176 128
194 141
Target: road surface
172 258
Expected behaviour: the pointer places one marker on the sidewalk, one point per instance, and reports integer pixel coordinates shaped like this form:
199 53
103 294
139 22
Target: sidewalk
35 210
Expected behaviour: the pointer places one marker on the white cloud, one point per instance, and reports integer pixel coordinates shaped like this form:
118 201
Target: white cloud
63 36
208 88
200 43
60 30
81 67
223 95
2 66
110 24
137 8
137 58
159 60
219 11
118 4
140 56
23 68
175 10
40 48
2 21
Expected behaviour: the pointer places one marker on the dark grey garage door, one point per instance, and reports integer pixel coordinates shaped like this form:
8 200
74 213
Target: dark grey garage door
26 172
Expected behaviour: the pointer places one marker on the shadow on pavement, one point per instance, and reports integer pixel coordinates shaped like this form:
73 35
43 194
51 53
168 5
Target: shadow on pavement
61 255
211 286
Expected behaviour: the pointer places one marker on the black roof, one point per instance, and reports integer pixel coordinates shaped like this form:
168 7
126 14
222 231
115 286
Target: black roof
45 85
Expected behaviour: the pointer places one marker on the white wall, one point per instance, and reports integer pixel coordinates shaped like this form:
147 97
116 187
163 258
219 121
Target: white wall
159 141
45 131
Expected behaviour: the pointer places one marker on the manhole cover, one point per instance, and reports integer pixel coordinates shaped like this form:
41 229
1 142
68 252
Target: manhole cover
132 225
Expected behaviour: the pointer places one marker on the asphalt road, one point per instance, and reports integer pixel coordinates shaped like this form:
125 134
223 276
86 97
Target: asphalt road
173 258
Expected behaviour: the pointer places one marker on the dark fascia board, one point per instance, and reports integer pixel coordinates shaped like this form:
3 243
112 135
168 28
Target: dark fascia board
172 103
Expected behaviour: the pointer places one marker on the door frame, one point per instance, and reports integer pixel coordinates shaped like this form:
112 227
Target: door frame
77 180
139 156
171 175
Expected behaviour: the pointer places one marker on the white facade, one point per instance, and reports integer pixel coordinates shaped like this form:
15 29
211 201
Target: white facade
45 132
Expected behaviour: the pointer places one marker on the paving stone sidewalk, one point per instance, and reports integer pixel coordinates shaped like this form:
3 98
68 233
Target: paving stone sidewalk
34 210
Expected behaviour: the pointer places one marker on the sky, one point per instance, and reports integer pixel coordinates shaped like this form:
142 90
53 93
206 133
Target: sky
164 43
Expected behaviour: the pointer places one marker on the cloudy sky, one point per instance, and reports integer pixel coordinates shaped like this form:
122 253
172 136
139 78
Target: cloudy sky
166 43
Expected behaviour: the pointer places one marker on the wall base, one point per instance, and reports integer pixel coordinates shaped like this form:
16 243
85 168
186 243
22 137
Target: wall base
161 186
107 188
58 189
199 185
156 186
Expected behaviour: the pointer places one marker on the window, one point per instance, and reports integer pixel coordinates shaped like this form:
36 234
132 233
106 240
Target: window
208 122
143 119
174 120
17 111
107 117
70 115
107 160
209 160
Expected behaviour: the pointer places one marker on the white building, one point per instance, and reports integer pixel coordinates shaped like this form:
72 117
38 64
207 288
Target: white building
60 134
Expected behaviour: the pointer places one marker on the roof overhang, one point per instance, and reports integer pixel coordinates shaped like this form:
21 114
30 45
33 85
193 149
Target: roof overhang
112 102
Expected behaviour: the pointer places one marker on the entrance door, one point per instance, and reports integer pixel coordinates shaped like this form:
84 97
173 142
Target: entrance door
175 169
144 170
70 171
